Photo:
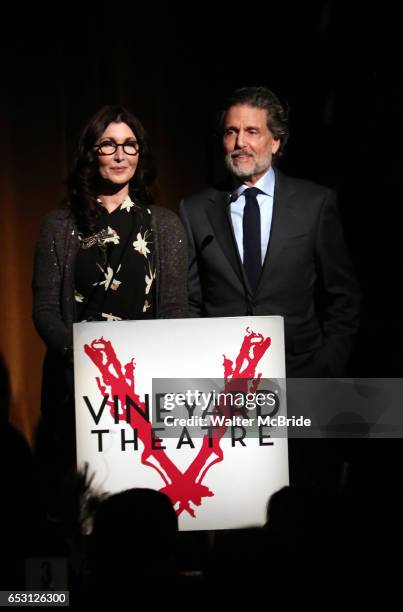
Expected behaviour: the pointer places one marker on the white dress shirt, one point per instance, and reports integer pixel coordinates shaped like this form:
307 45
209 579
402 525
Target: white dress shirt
265 201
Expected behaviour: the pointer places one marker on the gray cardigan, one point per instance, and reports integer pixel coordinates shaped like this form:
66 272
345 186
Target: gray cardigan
53 278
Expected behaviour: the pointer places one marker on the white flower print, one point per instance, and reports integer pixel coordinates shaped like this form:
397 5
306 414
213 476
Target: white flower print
115 284
127 204
109 278
110 317
149 280
140 244
78 297
146 306
113 236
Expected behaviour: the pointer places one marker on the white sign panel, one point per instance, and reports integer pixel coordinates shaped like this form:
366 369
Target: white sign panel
182 406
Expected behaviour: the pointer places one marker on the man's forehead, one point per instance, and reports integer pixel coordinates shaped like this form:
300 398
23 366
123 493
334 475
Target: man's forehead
246 114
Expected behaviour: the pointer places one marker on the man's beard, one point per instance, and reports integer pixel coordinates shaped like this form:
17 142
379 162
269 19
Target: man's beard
258 167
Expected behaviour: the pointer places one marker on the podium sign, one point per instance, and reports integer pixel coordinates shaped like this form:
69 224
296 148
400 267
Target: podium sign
181 406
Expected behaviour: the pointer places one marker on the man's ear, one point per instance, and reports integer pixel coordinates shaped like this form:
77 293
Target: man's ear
275 145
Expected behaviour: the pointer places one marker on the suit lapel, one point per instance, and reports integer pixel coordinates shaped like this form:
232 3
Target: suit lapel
282 224
219 217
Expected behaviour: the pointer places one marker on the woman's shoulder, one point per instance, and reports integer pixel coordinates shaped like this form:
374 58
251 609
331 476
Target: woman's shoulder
165 219
58 219
59 215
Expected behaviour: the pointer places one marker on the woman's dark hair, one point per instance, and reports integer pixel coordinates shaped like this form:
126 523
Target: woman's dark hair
84 177
264 98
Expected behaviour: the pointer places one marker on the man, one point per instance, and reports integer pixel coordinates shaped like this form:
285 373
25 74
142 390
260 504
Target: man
267 244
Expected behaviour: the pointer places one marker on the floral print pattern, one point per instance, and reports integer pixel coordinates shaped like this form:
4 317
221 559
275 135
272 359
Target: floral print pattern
109 280
110 317
127 204
149 280
111 257
140 244
112 237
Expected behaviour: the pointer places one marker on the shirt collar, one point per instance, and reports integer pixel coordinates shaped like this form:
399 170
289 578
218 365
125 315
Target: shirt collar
265 184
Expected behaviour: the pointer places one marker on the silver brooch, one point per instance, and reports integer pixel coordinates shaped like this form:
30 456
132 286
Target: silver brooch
98 238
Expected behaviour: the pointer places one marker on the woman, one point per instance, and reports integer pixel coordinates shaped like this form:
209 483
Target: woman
111 250
111 255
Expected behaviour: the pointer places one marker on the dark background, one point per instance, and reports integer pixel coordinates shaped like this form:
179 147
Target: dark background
337 66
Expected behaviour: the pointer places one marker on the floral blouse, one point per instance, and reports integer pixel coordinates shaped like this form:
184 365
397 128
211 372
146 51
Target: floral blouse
115 271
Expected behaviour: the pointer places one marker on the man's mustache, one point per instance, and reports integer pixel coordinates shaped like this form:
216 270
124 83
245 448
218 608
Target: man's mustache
235 154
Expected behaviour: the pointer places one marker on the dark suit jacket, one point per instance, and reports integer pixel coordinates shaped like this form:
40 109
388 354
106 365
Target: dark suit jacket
307 275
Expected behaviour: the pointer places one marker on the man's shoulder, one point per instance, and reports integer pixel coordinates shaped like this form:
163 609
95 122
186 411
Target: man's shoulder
302 187
202 198
201 201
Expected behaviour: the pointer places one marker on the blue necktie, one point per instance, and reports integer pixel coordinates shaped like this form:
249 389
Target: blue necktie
252 254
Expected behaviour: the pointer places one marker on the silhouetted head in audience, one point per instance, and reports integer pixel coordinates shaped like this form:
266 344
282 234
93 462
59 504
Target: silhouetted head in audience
133 539
305 508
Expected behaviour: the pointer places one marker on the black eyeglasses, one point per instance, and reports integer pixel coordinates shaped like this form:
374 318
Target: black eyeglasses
109 147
